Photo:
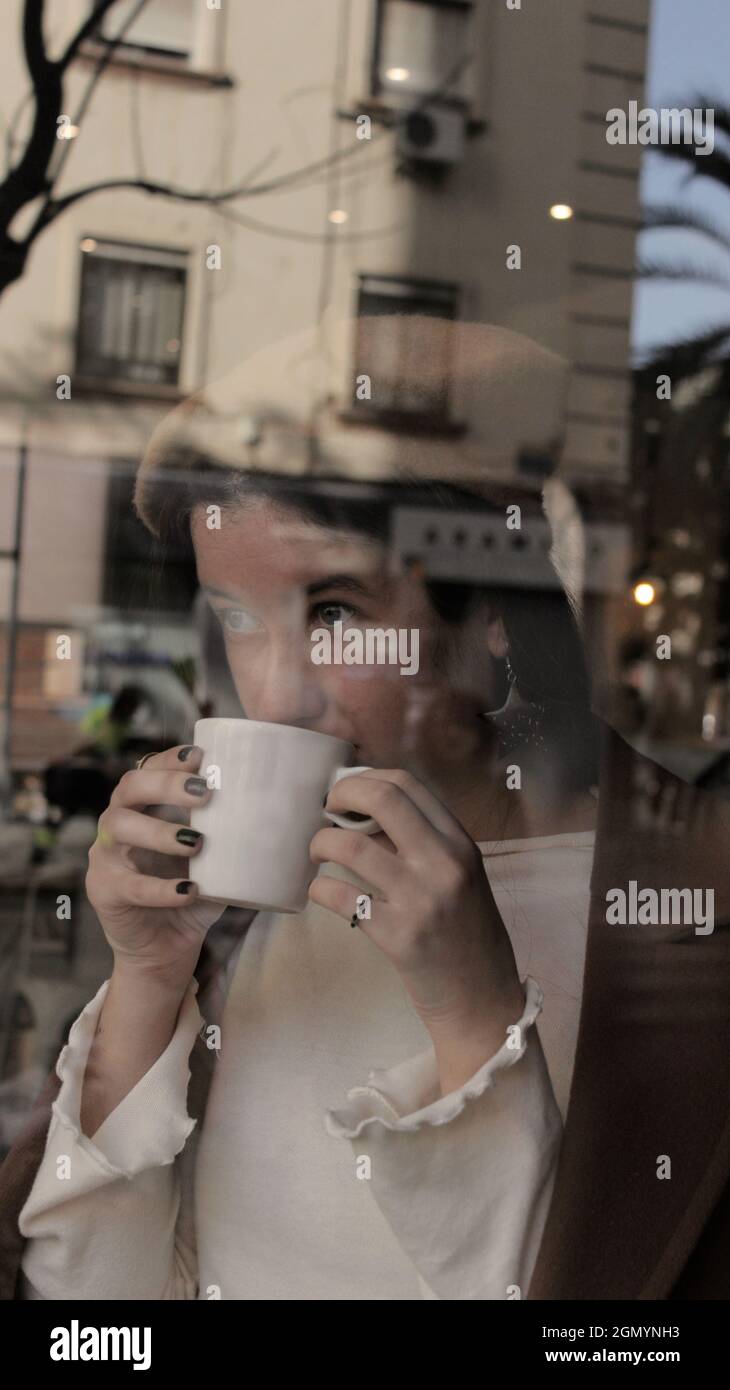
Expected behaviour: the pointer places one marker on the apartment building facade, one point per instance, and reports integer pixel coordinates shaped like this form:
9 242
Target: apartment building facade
436 156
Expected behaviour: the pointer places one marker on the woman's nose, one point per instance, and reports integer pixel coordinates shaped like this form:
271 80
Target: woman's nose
288 689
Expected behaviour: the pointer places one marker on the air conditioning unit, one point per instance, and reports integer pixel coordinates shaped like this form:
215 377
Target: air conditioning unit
432 133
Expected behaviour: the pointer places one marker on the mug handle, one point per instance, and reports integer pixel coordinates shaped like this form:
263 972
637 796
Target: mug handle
366 824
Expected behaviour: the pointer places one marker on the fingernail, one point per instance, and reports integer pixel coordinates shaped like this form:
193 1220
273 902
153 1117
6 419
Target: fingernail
185 752
196 786
187 836
185 886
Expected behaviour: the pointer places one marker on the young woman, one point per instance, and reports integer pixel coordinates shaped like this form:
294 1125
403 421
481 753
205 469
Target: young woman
476 1093
382 1120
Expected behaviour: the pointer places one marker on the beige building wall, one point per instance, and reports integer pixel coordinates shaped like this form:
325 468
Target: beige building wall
541 80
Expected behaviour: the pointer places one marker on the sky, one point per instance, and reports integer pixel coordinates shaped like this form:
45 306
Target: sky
689 54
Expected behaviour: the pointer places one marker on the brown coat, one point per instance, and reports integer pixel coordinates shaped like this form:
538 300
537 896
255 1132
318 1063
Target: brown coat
651 1075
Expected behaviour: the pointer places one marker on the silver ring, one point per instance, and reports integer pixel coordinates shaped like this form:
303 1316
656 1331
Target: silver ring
143 760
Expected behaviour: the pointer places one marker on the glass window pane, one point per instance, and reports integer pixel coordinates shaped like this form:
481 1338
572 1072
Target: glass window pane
130 317
422 46
401 367
163 24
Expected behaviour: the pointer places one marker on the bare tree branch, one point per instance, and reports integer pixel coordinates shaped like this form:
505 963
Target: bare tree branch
37 171
33 176
58 205
102 63
36 57
29 178
10 132
88 28
245 189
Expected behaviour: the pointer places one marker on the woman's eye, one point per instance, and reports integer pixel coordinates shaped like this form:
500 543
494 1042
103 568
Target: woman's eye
236 620
327 614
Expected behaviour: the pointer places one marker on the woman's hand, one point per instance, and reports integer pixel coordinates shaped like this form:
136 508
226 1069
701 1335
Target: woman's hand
432 914
137 880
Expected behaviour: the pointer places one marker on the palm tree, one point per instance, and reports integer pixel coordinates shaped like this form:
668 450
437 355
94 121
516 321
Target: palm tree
711 349
701 361
681 446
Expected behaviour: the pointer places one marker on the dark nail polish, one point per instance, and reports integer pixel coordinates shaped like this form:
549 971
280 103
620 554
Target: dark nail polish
197 786
186 836
185 886
185 752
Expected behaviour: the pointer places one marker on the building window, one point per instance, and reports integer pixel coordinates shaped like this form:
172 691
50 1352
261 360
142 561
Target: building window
409 378
421 47
162 27
131 312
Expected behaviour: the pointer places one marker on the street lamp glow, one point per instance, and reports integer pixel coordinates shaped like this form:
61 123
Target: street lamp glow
562 212
397 74
338 216
644 593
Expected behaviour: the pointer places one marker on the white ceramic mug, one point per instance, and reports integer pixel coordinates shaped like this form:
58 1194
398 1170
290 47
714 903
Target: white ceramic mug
269 785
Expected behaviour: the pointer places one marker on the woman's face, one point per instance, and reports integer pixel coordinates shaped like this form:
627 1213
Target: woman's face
275 577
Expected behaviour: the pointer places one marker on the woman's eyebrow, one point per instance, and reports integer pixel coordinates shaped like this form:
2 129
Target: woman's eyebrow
346 583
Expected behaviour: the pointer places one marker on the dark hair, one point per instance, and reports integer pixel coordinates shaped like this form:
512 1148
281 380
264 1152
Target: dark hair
545 646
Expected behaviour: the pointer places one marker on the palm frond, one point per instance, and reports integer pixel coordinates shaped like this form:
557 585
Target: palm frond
681 271
700 101
685 219
689 355
715 166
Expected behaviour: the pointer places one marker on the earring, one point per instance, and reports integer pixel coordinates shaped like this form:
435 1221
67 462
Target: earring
518 725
